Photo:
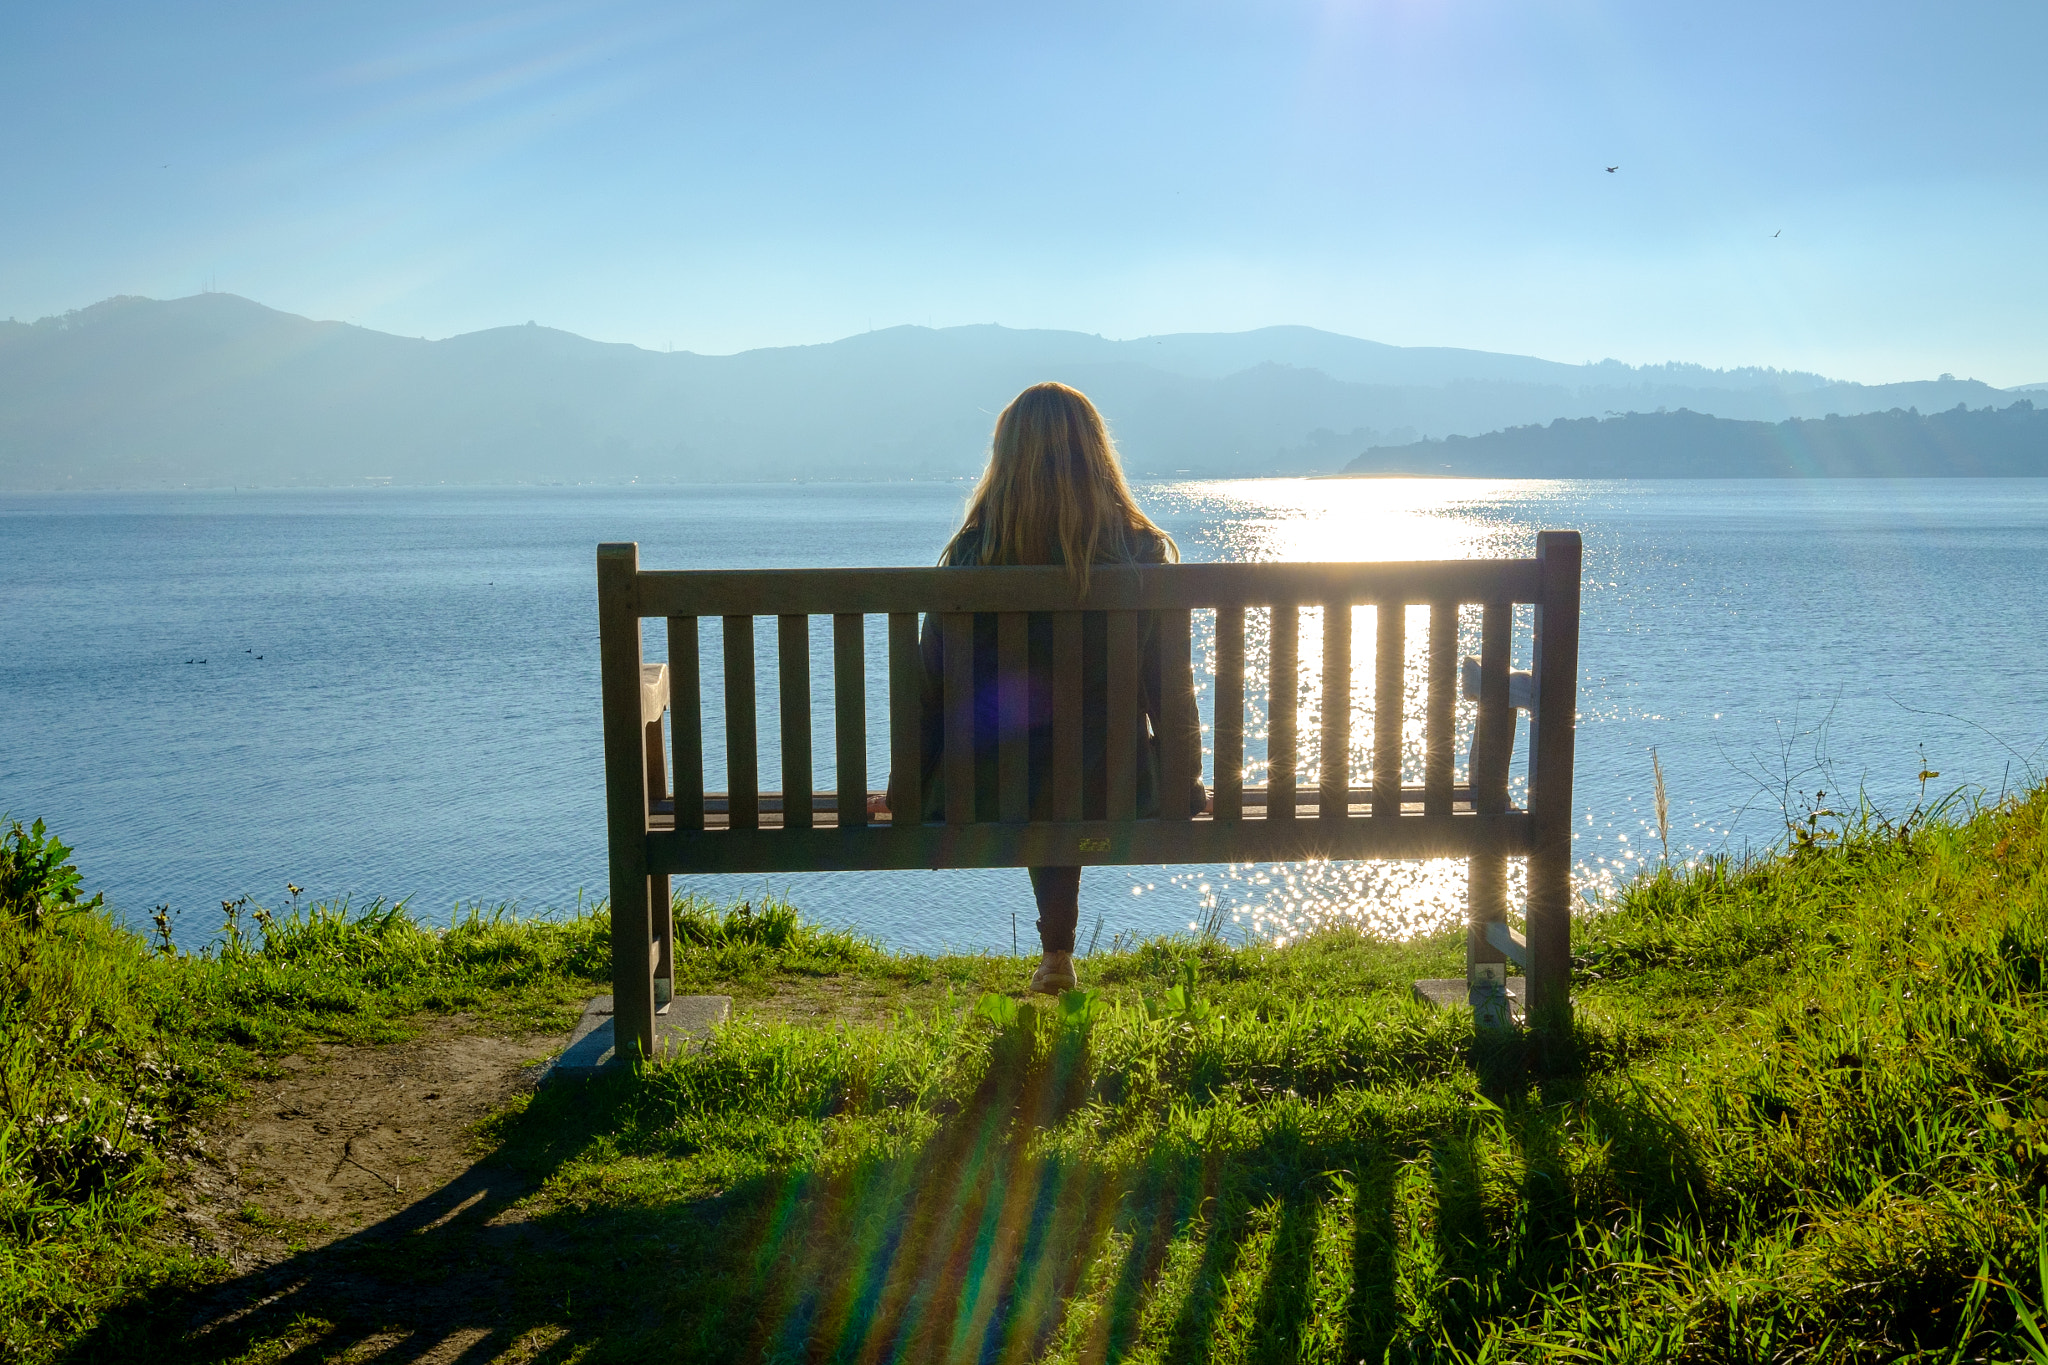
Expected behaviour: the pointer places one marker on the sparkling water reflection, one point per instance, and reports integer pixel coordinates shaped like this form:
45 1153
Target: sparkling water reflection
1272 521
1685 583
423 717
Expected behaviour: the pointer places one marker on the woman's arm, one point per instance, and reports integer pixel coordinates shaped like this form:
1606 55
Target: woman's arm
1152 684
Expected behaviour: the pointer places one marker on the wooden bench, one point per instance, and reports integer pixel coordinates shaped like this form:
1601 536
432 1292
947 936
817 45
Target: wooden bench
662 821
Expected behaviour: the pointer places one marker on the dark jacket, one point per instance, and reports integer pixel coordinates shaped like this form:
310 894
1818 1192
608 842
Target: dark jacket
1094 708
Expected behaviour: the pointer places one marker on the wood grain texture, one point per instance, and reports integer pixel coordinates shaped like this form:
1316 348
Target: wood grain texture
1121 728
1013 717
906 727
1492 742
625 785
1229 723
1176 587
1389 684
1067 674
1180 733
742 748
685 723
1283 701
749 831
793 682
1439 713
850 716
991 843
956 630
1335 781
1550 778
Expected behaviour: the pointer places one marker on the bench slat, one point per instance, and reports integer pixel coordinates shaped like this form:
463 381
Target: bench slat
1390 648
1493 738
772 592
906 726
1229 721
1439 732
653 837
1066 715
1335 763
956 637
1283 689
850 716
1092 842
1180 738
1254 799
1013 716
742 761
685 723
1121 730
793 675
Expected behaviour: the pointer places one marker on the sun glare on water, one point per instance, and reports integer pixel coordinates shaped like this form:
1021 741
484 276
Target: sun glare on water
1311 520
1308 520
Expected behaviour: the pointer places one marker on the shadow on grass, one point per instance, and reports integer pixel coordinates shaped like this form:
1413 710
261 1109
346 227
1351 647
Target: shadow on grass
970 1245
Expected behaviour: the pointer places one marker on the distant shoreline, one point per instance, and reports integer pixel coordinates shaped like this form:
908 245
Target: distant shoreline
215 391
1140 480
1960 442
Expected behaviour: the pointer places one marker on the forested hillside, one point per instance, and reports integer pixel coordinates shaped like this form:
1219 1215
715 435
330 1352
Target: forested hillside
1901 443
216 390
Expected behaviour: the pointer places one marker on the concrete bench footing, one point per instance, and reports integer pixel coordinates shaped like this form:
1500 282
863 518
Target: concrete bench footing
1485 1002
686 1020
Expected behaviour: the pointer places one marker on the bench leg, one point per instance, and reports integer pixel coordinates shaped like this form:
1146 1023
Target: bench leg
1486 901
1550 932
625 784
1486 873
632 974
1556 666
664 943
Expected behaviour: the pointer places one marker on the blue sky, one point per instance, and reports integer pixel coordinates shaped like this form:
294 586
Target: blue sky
716 177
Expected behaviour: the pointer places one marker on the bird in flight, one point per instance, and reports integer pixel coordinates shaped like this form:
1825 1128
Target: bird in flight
1612 169
1776 233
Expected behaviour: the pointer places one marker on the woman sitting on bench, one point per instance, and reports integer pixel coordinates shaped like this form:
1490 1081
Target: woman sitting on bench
1053 493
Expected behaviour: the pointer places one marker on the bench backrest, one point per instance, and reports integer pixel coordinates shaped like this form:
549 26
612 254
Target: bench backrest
656 832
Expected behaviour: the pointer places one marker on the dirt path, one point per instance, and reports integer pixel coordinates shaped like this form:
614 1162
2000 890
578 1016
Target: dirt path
351 1143
362 1218
347 1137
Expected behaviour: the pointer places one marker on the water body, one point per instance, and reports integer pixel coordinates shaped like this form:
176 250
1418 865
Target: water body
394 692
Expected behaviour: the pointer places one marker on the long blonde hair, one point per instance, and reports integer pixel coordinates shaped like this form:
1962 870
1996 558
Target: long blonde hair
1054 491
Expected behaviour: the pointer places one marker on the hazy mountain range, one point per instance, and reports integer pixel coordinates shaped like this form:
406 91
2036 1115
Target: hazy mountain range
217 390
2012 441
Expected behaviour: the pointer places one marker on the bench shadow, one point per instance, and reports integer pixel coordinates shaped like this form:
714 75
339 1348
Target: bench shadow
970 1244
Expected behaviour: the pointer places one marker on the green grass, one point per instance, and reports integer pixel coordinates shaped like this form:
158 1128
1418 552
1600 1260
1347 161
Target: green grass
1801 1114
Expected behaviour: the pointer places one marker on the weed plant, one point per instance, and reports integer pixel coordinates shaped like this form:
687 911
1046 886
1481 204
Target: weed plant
112 1049
1800 1114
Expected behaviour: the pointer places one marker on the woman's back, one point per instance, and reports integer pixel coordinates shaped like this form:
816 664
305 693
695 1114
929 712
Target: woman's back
988 727
1053 494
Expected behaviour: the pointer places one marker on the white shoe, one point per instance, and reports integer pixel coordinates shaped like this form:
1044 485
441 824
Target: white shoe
1055 974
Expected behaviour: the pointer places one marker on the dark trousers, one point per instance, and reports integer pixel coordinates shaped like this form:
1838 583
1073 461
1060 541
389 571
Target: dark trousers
1058 892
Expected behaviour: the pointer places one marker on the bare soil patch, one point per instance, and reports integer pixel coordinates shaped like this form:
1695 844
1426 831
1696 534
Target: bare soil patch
326 1188
361 1216
346 1137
